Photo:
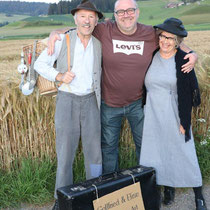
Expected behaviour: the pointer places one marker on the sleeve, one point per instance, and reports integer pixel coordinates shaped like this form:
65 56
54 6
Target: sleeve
152 35
156 40
44 63
99 30
196 100
184 94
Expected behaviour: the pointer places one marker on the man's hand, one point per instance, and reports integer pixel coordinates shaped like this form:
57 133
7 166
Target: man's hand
66 77
54 36
193 57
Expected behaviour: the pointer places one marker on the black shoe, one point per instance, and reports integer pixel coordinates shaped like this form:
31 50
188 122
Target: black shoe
56 205
200 204
169 195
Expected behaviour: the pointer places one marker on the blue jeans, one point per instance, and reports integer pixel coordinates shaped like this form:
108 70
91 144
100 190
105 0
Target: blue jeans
111 120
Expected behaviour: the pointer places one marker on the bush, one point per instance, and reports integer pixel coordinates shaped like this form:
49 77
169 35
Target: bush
203 153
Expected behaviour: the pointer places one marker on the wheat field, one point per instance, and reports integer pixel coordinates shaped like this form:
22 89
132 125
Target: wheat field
27 122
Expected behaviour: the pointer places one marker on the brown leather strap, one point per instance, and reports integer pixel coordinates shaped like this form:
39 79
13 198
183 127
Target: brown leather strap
68 56
68 51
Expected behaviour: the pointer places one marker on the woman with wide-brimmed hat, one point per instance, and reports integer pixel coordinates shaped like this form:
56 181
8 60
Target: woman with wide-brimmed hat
168 143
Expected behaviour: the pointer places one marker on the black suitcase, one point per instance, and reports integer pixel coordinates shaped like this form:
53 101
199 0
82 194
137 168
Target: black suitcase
80 196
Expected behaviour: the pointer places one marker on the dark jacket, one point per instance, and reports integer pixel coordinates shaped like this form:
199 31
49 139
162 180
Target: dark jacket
188 92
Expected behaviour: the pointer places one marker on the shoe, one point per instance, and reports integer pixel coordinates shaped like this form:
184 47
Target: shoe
56 205
169 195
200 204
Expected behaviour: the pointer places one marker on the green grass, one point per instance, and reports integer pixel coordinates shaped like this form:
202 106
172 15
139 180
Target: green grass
15 24
196 19
199 27
18 32
153 12
203 152
42 23
28 36
203 9
34 180
4 18
31 182
57 18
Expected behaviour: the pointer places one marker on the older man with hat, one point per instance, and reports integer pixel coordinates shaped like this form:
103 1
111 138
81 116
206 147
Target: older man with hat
78 100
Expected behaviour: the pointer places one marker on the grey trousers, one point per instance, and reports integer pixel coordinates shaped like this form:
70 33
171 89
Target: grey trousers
77 116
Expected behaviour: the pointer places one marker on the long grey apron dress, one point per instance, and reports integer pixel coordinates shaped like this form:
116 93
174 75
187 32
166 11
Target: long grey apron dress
163 146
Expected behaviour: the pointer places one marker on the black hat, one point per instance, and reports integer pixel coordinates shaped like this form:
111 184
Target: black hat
87 5
174 26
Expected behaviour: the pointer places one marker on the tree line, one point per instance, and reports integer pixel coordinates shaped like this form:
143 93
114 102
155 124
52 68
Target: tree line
24 8
65 7
189 1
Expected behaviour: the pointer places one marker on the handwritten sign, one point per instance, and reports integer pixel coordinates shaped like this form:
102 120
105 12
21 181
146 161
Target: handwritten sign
129 198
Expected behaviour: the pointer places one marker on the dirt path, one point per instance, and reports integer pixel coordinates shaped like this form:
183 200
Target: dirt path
184 200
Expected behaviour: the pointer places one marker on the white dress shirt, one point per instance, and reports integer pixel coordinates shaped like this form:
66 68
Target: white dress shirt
82 83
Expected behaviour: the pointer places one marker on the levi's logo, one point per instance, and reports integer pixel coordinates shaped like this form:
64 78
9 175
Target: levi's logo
128 47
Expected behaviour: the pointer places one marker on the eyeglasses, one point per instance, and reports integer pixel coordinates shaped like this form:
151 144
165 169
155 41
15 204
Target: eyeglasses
129 11
163 38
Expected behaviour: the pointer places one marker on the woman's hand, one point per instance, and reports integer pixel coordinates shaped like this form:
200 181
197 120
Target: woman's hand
182 130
